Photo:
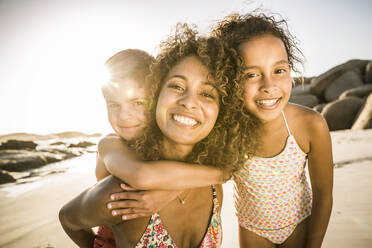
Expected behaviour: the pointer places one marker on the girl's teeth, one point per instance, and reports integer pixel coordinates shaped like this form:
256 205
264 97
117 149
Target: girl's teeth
267 102
185 120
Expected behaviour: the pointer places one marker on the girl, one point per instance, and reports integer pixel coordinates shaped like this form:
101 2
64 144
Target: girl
275 205
190 126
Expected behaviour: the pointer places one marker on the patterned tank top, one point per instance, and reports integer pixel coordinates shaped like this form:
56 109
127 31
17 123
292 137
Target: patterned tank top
272 193
157 236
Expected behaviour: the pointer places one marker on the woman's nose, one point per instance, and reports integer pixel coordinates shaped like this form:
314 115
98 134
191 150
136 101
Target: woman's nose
188 100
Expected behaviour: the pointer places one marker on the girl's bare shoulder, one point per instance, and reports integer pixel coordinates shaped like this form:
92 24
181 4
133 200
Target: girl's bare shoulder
305 124
303 116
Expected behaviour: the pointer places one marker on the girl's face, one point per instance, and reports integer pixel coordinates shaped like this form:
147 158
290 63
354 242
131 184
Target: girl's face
188 103
126 108
267 76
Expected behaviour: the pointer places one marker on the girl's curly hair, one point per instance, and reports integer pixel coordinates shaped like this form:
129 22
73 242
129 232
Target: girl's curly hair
236 29
232 136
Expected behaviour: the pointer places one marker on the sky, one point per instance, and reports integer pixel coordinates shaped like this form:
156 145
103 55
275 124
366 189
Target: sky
52 51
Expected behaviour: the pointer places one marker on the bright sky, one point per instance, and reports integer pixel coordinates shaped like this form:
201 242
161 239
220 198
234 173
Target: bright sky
52 52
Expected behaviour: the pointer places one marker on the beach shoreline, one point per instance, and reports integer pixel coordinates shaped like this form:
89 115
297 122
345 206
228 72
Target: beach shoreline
29 211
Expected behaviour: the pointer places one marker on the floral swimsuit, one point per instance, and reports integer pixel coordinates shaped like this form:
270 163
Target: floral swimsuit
156 235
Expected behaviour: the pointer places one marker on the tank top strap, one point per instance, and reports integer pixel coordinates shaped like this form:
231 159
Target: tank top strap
286 124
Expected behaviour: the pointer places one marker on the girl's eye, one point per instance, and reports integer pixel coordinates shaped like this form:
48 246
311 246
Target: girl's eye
251 75
281 70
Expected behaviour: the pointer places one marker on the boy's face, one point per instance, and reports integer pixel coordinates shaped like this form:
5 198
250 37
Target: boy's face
126 107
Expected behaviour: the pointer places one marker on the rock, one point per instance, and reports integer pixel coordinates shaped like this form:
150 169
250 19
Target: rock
307 100
304 80
301 89
83 144
5 177
58 143
364 118
320 83
361 91
18 145
22 160
368 75
319 107
340 114
348 80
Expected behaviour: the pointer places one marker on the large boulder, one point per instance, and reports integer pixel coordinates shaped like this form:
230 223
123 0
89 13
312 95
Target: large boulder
340 114
320 83
348 80
18 145
319 108
368 75
364 118
361 91
301 89
307 100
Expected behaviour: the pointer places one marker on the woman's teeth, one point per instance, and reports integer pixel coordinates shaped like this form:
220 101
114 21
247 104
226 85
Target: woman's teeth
185 120
267 103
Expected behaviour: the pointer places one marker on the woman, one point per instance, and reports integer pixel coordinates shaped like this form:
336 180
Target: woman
189 124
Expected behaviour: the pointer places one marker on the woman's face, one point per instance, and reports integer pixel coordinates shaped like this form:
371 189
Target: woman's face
188 103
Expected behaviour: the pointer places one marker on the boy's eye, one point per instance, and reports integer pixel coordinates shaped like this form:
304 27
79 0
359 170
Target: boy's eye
139 102
112 104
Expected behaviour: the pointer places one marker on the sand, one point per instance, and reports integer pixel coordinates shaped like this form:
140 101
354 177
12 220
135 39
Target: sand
28 212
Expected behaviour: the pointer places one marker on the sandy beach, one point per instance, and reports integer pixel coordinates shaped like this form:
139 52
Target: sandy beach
28 212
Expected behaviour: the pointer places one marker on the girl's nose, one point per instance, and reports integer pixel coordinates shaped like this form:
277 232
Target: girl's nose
268 84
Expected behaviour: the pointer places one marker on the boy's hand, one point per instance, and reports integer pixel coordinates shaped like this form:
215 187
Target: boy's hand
132 203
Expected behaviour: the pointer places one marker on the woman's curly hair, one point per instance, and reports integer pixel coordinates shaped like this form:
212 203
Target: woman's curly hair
226 145
235 29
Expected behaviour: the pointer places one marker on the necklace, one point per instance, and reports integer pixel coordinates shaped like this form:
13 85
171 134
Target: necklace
183 201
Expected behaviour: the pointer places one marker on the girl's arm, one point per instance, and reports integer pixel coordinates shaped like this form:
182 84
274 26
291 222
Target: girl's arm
122 163
320 164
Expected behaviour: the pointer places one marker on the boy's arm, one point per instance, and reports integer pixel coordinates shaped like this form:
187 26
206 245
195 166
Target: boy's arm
320 164
88 210
122 163
101 171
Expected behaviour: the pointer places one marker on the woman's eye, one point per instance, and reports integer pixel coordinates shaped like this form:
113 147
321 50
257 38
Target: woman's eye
176 87
208 95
